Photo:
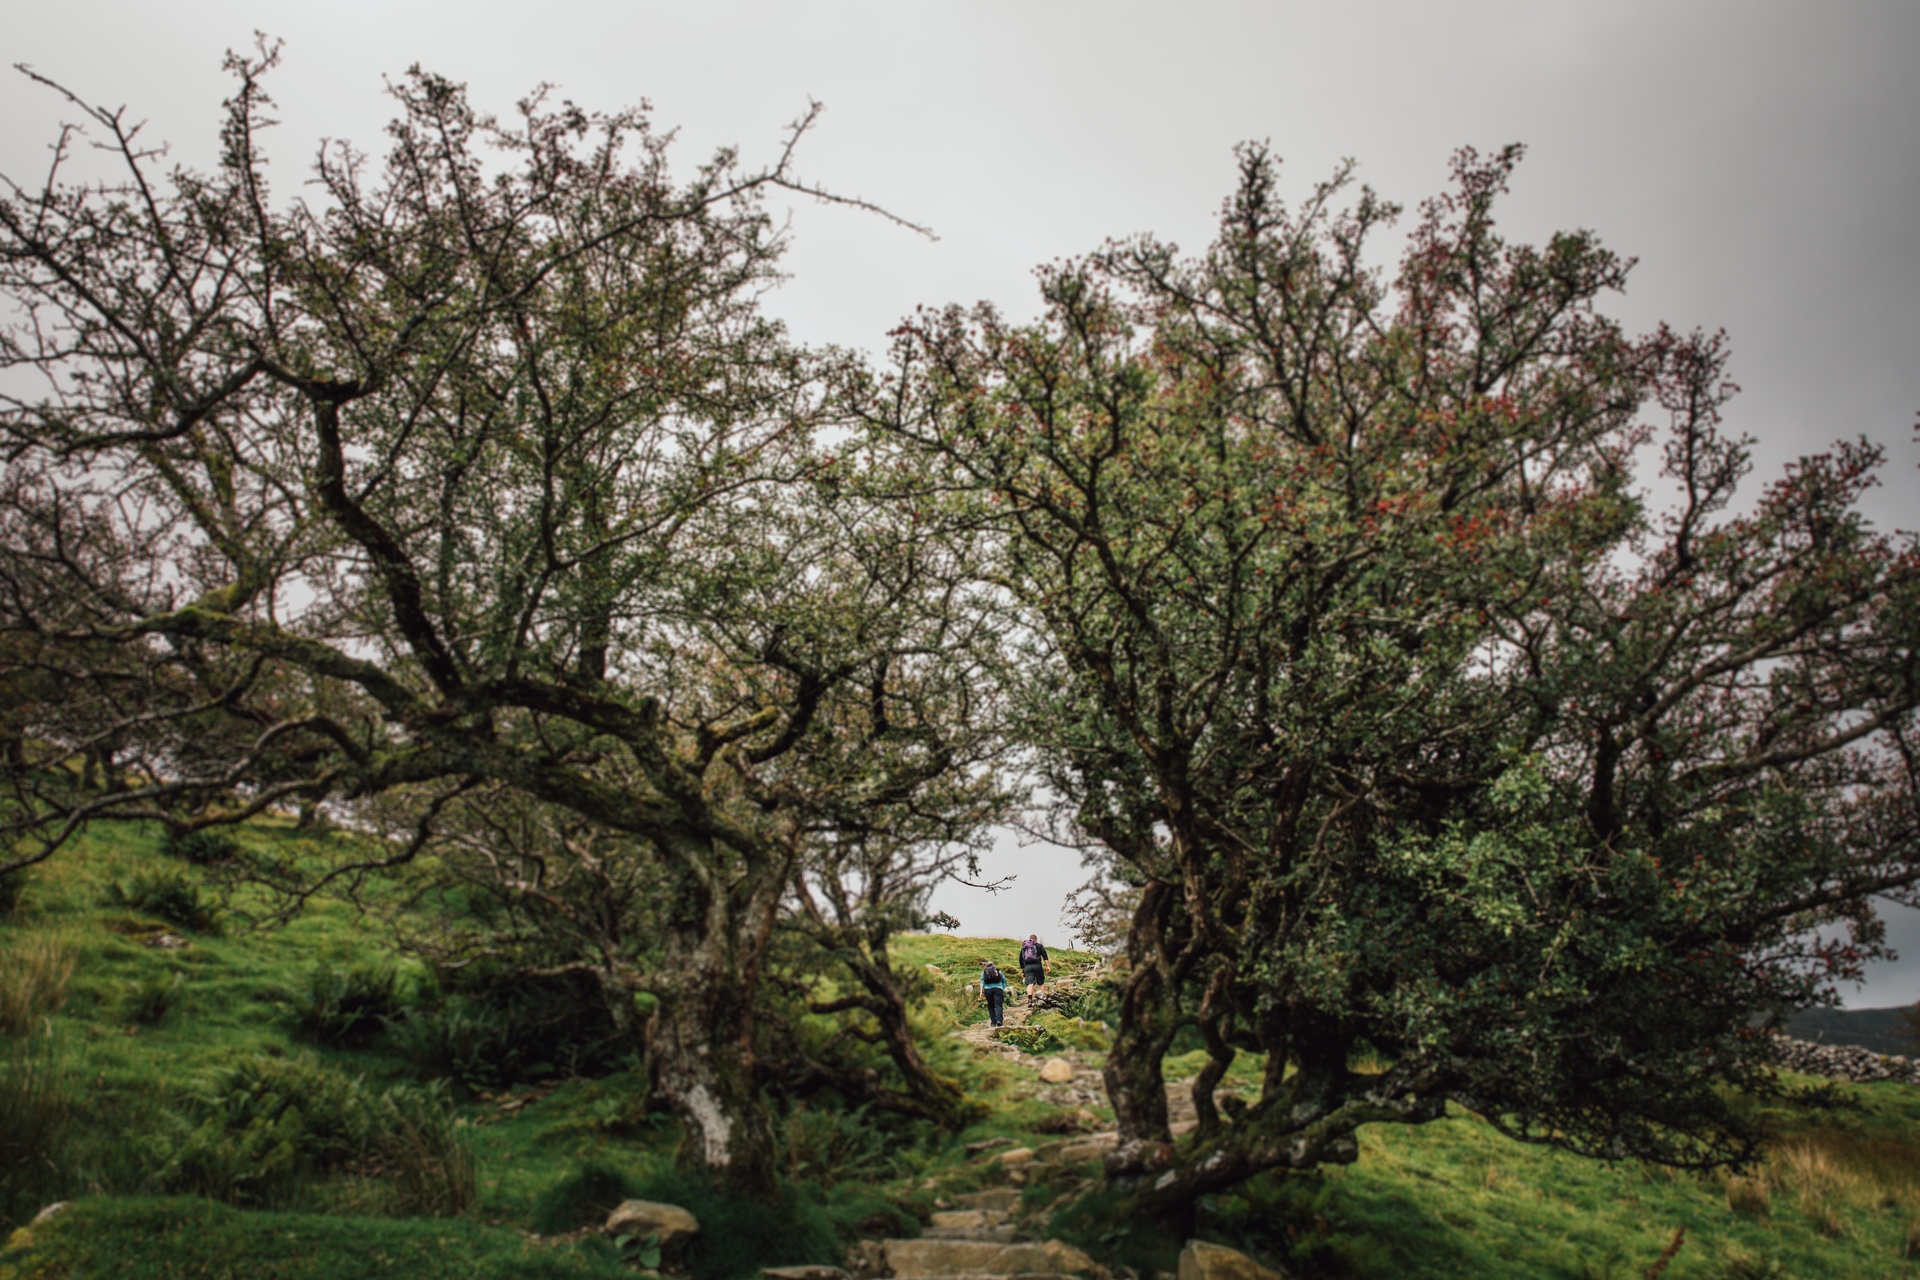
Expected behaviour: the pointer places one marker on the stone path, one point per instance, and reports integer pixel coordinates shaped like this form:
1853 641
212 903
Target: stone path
979 1235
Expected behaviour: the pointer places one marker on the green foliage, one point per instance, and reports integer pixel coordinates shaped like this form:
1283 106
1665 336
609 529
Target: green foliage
427 1152
169 895
739 1235
349 1006
269 1124
209 847
583 1198
824 1146
1032 1038
150 998
1753 1266
116 1237
36 1114
34 973
1069 1031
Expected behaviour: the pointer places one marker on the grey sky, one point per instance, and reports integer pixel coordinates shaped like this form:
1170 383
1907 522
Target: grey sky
1758 158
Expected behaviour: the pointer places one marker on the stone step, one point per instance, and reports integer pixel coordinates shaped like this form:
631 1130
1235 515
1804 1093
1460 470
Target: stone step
993 1200
956 1218
925 1259
1002 1233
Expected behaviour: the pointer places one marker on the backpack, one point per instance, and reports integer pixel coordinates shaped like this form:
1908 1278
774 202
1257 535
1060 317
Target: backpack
1029 952
991 973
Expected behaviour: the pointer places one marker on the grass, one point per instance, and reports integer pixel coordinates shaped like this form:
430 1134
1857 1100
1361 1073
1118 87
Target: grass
112 1043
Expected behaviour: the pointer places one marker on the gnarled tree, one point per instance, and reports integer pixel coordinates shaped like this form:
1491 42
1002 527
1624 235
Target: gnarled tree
1424 728
479 471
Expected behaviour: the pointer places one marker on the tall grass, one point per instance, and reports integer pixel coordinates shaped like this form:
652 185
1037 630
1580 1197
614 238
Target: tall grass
34 973
35 1115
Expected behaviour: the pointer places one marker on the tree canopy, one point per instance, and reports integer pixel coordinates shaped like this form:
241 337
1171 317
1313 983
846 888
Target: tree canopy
476 483
1449 764
1402 636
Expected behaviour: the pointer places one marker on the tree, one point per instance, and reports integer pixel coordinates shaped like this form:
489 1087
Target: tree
483 475
1347 632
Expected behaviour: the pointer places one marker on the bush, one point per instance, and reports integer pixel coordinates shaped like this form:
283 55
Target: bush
148 1001
204 848
425 1149
347 1007
492 1030
583 1198
738 1237
168 895
34 973
267 1124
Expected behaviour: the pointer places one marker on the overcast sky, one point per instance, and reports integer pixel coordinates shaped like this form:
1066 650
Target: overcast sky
1761 160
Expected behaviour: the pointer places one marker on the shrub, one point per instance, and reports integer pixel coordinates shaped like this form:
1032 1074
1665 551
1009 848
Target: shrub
347 1006
492 1030
168 895
34 1117
204 848
425 1149
1032 1038
825 1146
34 973
148 1001
739 1236
267 1123
583 1198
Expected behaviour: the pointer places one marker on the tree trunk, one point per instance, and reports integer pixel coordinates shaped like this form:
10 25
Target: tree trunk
1149 1016
700 1039
940 1100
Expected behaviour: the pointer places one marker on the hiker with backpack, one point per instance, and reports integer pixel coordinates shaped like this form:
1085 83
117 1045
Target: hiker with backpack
1033 964
994 987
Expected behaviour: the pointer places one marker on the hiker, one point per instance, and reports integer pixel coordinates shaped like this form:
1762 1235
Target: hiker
1033 964
993 985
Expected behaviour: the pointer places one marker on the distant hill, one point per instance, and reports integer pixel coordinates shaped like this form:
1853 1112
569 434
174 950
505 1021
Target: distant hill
1881 1030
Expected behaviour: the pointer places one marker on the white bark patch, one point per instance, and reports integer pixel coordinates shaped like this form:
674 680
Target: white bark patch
716 1131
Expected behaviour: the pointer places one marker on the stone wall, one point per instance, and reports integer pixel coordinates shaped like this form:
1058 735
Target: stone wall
1846 1062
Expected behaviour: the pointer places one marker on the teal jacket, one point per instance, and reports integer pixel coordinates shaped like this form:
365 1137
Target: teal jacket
996 984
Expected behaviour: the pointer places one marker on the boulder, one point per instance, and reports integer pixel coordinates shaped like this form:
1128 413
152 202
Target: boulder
669 1222
1057 1071
47 1214
1017 1156
1203 1261
960 1218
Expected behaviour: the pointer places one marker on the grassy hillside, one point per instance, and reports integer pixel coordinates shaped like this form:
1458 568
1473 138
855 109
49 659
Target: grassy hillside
139 1080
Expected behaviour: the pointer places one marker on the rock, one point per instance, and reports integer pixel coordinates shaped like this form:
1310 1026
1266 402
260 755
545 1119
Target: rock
47 1214
1057 1071
915 1259
805 1272
649 1217
987 1144
1845 1062
960 1218
866 1259
1015 1157
1203 1261
1081 1152
993 1200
